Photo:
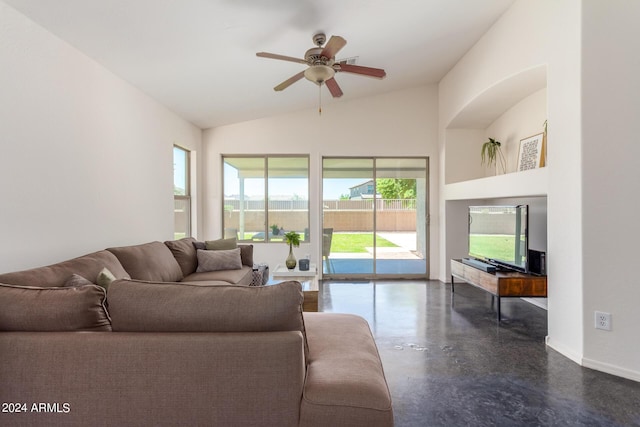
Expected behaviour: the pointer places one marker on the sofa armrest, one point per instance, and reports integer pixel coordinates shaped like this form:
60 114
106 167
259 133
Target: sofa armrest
153 379
345 384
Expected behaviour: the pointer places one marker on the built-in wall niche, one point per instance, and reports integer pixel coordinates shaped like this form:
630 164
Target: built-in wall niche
457 244
512 109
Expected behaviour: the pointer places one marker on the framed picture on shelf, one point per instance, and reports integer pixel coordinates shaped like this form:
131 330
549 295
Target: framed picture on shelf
531 152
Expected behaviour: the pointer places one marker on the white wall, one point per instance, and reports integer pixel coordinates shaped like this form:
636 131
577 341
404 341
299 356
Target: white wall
402 123
463 154
505 50
611 149
564 220
592 103
86 159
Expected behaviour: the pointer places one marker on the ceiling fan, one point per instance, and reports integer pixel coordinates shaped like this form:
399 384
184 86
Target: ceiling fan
322 65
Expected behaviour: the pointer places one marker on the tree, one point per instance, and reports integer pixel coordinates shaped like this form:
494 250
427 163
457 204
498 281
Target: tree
344 197
396 188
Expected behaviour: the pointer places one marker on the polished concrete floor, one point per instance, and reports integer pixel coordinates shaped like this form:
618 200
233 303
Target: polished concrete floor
449 363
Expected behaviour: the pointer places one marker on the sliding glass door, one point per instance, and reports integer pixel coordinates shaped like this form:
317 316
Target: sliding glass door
348 229
375 217
401 216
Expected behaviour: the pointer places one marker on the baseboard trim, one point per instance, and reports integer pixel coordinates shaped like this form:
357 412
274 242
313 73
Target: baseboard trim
593 364
565 351
538 302
611 369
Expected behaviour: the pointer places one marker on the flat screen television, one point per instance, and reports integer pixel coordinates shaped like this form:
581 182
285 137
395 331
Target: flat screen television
499 235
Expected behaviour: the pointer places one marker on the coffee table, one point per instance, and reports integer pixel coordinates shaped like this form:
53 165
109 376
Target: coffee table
308 280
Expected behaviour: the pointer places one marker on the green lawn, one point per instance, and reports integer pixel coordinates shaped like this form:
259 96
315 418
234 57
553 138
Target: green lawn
356 243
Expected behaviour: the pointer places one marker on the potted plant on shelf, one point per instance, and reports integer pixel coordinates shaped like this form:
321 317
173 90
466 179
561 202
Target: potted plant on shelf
491 152
293 239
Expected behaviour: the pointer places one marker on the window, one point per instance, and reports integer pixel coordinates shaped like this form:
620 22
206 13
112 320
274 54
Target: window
181 193
265 197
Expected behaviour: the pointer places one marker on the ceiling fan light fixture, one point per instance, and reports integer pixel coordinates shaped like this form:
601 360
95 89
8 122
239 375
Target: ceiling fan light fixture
322 65
319 74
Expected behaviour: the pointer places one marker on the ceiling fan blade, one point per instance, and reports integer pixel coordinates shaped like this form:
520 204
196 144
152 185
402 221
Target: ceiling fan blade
291 80
332 47
365 71
281 57
333 87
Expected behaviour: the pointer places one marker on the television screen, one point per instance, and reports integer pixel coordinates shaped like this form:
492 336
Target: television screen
498 234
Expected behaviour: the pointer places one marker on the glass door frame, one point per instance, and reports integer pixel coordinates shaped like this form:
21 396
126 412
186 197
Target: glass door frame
374 275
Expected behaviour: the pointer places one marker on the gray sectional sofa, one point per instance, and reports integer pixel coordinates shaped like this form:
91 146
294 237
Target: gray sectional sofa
167 344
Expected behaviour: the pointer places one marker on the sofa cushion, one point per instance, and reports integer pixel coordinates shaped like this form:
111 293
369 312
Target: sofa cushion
339 364
221 244
87 266
234 277
150 261
137 306
38 309
219 260
185 253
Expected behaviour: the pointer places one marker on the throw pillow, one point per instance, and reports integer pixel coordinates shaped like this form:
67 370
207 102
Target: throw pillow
105 277
184 252
36 309
77 280
221 244
246 253
219 260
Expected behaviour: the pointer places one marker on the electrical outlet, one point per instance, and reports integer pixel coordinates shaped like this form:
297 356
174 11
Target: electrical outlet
603 320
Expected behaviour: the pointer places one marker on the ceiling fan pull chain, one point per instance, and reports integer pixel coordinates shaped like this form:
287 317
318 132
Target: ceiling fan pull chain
320 99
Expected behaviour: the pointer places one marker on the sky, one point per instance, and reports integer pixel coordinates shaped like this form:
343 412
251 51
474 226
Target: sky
332 188
179 164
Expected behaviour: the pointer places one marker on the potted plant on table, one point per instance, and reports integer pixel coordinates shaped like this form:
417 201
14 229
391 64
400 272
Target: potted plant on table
292 239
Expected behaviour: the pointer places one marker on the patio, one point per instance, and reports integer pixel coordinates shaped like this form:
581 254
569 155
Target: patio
401 259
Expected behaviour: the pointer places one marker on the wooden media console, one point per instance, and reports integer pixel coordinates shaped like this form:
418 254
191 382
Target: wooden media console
500 284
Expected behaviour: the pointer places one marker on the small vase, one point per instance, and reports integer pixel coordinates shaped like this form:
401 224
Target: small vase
291 260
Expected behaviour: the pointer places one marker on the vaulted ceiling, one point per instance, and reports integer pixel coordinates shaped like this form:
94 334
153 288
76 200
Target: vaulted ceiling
197 57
